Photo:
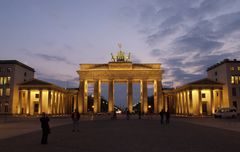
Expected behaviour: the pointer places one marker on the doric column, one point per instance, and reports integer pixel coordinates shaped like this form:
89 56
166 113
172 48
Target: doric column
177 107
130 96
28 102
221 98
20 102
53 102
80 98
99 95
96 96
110 96
159 96
145 97
155 93
187 103
183 102
212 107
82 102
199 107
49 102
57 103
40 101
190 102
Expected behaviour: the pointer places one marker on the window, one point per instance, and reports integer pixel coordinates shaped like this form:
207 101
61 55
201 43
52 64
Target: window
236 79
1 80
234 91
8 91
8 80
231 68
6 107
1 92
36 95
232 79
36 107
4 80
216 79
238 68
235 104
203 95
9 69
25 73
215 73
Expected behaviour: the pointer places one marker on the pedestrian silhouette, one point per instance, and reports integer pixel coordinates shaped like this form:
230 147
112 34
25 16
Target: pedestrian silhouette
75 118
139 114
45 128
114 115
167 117
162 115
128 114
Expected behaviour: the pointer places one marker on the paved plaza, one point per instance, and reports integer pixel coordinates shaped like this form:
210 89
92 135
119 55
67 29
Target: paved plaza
101 134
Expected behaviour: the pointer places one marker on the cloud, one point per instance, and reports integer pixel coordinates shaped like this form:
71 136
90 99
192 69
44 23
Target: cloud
188 36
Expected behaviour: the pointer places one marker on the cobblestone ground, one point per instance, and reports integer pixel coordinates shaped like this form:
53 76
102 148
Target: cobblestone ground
146 135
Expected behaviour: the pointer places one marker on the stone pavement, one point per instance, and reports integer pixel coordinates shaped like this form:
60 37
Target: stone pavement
148 135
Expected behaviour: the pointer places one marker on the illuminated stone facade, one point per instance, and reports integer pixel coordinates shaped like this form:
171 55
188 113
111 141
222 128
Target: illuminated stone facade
201 97
228 73
36 96
12 73
20 93
124 72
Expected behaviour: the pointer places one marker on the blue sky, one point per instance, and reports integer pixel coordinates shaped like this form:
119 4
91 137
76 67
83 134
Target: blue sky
55 36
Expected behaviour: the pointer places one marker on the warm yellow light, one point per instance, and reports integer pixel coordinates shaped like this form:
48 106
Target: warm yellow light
232 79
149 106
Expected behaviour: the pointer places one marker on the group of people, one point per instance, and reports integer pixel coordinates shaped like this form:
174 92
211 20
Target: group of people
46 128
164 115
76 117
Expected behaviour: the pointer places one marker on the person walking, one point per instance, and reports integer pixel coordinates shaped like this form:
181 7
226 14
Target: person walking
162 115
167 117
139 114
128 114
75 118
45 128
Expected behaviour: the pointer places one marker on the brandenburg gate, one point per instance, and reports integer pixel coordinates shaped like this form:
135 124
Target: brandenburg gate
121 70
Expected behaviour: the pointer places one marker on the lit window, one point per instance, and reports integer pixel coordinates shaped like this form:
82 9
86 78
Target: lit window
4 80
239 68
232 68
236 79
8 80
1 92
1 80
7 91
232 79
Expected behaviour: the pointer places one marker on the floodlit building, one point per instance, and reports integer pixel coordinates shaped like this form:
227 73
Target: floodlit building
12 73
200 97
228 73
21 93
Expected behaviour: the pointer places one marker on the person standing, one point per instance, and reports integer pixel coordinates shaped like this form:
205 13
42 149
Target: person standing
167 117
75 118
45 128
128 114
162 115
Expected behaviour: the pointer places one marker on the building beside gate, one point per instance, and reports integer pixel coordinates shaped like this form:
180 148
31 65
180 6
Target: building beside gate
12 73
227 72
21 93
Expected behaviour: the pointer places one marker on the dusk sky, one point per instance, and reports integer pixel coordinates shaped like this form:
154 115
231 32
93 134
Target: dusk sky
55 36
